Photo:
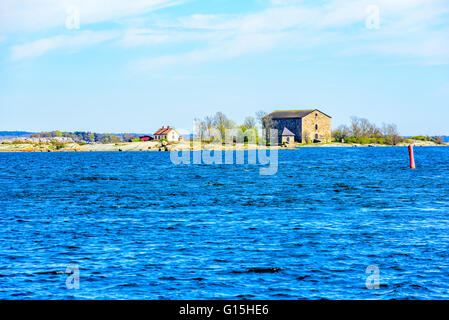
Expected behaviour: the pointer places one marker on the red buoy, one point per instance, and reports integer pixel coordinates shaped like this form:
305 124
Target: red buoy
412 157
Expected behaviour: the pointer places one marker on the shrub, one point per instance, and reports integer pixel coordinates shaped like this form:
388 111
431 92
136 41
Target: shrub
438 140
421 138
57 144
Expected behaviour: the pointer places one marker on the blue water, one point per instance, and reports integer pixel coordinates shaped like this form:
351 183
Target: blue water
139 227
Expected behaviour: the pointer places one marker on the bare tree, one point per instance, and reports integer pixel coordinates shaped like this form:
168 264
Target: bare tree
365 127
266 123
362 128
209 124
260 115
200 128
390 131
249 122
356 131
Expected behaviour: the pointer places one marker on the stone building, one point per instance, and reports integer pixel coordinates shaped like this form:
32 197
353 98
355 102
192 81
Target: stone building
288 137
306 125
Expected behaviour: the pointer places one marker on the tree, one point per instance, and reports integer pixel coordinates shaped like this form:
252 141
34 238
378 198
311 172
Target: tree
366 128
45 134
262 118
221 122
199 128
362 128
110 138
260 115
390 132
438 140
127 137
57 133
266 122
342 132
91 137
208 124
249 123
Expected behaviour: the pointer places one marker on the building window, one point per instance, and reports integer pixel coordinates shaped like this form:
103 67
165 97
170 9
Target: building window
316 136
316 127
316 115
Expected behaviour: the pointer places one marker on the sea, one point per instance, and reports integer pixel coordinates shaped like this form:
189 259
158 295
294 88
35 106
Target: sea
332 223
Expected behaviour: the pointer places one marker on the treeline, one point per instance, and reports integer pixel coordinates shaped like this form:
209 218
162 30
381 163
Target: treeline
219 121
363 131
81 136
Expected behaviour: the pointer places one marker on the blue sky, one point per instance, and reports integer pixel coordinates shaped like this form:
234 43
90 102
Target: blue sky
133 66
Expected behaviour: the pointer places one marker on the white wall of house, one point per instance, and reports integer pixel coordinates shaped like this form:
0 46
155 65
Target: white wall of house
173 135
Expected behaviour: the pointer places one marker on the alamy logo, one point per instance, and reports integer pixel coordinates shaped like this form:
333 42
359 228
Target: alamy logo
72 20
373 280
257 152
73 280
373 17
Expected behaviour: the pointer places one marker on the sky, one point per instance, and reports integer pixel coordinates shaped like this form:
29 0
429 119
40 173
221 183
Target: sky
133 66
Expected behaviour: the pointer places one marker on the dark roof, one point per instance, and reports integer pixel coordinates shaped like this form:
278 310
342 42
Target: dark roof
279 114
287 132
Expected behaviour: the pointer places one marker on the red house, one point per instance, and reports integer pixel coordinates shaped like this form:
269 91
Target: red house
146 138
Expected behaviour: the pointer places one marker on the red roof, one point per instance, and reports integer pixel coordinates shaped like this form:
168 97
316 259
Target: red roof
164 130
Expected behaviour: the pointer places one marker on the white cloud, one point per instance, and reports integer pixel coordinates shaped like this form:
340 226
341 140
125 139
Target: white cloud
136 37
33 16
407 30
39 47
36 15
430 48
227 50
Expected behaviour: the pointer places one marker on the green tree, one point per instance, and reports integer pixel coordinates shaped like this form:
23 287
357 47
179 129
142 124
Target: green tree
91 137
341 133
57 133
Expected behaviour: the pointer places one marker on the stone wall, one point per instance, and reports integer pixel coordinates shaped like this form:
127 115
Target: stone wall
316 126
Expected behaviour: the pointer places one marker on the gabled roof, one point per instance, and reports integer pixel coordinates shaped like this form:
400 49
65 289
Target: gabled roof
164 130
287 132
283 114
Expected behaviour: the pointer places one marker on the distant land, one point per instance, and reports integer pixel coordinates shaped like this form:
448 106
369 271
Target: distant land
13 134
27 134
445 138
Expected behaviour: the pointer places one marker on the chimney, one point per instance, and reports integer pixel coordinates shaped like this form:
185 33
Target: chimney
162 127
168 127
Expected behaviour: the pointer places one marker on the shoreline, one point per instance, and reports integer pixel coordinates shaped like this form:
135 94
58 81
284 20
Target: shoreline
153 146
